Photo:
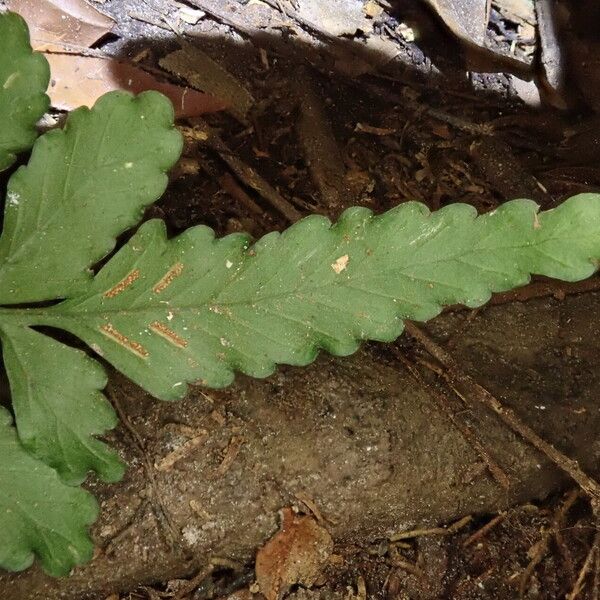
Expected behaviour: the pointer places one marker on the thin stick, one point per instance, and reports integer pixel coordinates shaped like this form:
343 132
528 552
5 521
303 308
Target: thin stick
565 552
413 533
466 430
539 289
544 544
203 133
231 186
221 15
454 375
156 501
193 583
482 531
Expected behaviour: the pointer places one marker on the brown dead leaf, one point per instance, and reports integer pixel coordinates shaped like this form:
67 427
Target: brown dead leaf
62 25
442 130
81 80
68 26
296 554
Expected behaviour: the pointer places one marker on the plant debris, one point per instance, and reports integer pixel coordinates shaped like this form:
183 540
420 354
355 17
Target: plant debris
296 554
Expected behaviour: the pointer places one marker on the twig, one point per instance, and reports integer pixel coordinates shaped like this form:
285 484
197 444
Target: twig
203 133
543 545
156 501
116 537
482 531
167 463
231 453
194 582
149 20
213 9
281 9
409 567
413 533
312 507
452 120
563 549
454 375
541 289
75 49
466 430
231 186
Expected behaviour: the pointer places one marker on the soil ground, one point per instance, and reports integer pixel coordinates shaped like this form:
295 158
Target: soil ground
378 443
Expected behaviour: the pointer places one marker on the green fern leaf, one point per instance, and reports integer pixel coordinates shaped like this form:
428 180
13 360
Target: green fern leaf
196 308
83 186
58 404
39 514
24 77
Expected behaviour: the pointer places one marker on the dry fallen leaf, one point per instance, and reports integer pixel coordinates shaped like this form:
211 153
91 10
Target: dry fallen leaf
68 26
81 80
467 19
296 554
63 25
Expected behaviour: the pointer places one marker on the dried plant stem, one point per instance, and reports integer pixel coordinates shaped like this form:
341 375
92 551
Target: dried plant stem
588 564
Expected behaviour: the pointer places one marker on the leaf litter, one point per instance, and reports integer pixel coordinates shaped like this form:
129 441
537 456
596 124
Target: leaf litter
65 29
296 554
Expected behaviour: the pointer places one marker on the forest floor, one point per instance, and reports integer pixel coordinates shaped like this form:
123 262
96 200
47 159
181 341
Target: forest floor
425 492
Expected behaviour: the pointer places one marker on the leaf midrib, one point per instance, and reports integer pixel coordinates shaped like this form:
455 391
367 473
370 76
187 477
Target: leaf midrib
298 291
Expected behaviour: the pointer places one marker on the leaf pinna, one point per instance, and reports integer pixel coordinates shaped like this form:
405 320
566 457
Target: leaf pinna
194 308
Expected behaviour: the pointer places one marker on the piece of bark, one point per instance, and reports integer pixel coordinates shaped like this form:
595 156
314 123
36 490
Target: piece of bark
81 80
467 20
343 55
204 74
356 435
552 59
